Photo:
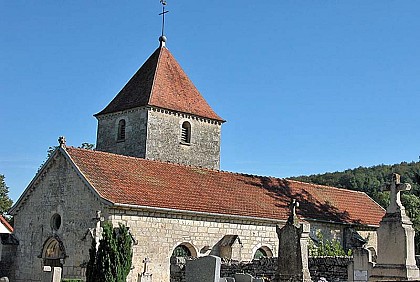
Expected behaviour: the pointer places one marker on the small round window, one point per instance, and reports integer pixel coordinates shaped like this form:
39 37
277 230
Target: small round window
56 222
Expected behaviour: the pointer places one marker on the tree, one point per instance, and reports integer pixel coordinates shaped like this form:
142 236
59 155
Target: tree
87 146
111 262
5 201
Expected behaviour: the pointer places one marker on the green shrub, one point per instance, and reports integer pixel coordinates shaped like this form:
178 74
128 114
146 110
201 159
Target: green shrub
326 248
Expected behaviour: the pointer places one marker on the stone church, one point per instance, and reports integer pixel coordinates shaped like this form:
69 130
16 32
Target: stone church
156 169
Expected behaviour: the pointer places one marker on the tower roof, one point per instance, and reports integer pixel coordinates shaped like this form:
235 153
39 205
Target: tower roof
162 83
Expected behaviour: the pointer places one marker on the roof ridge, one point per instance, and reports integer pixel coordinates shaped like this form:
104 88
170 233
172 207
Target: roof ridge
155 73
325 186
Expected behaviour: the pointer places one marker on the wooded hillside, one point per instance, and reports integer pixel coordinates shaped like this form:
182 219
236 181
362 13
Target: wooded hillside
372 179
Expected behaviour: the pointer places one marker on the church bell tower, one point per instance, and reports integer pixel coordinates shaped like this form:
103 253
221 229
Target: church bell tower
160 115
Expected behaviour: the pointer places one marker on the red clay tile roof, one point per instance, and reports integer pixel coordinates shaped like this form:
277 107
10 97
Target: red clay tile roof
6 224
135 181
161 82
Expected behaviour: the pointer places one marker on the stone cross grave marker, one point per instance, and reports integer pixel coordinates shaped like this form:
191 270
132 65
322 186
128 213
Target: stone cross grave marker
293 218
395 187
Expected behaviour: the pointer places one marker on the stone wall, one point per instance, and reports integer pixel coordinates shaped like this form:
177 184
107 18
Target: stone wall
331 268
262 268
164 139
156 134
8 253
60 191
135 131
159 233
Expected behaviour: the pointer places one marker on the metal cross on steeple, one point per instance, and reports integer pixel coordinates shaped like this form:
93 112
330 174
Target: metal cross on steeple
163 2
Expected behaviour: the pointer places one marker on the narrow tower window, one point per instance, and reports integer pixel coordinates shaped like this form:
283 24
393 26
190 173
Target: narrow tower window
186 132
121 130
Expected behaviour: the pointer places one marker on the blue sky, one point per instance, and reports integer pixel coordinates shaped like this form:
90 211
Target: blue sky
305 86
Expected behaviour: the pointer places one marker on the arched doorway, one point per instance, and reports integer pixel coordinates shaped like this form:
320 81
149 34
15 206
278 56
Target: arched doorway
53 252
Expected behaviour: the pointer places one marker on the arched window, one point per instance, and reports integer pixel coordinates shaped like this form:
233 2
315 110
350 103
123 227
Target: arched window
181 251
186 132
263 252
184 250
56 222
121 130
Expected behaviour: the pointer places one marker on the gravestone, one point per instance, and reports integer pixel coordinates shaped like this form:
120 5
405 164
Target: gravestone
204 269
51 274
56 274
243 277
361 266
227 279
395 256
229 247
293 249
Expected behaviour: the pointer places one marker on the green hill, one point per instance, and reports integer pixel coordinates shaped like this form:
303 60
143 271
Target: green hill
371 179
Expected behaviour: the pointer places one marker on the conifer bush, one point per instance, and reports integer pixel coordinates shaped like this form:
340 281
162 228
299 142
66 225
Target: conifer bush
111 262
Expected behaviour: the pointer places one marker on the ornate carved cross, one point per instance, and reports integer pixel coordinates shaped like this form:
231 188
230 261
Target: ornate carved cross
395 187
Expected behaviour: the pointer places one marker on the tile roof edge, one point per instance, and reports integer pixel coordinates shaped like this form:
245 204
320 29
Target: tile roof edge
342 223
82 176
6 224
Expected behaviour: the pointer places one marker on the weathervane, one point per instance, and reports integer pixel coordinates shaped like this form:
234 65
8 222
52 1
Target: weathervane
163 2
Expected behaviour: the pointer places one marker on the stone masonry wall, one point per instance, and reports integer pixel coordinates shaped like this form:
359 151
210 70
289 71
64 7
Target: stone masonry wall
58 190
159 233
331 268
164 139
155 134
135 131
8 253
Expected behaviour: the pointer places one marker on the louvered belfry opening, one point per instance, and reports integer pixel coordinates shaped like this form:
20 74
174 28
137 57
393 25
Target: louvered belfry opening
186 132
121 130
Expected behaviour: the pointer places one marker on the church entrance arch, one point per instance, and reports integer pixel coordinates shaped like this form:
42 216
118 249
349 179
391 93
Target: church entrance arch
53 252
